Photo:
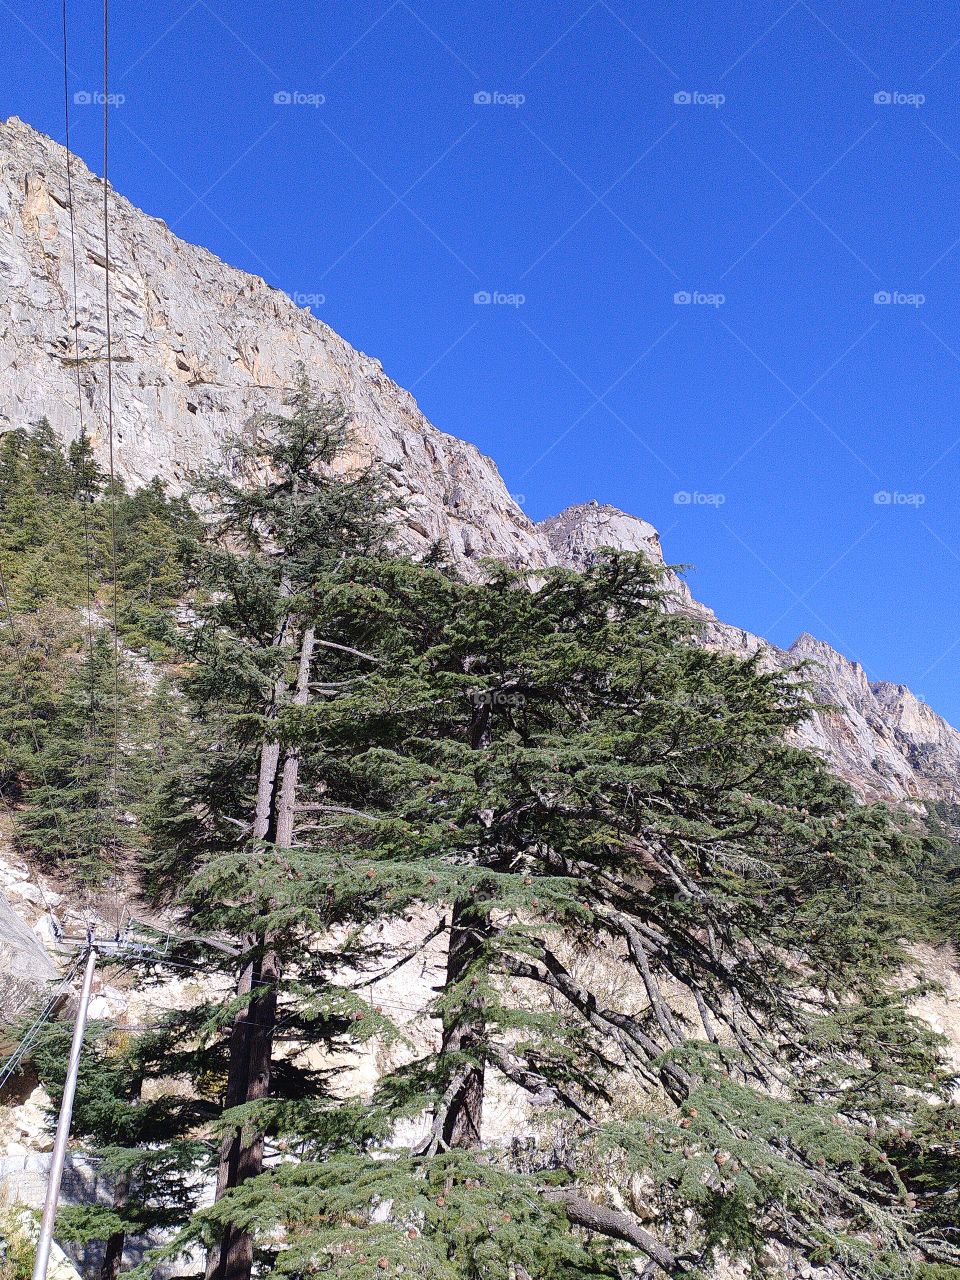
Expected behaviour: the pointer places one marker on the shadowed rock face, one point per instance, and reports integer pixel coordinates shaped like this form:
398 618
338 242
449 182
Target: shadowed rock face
200 348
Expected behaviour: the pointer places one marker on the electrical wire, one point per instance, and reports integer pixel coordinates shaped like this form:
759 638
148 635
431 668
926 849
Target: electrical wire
74 323
33 1031
115 756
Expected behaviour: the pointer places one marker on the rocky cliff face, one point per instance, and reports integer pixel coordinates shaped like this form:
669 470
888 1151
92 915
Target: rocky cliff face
881 738
199 348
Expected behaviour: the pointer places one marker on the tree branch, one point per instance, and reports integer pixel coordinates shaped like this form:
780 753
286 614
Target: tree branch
614 1224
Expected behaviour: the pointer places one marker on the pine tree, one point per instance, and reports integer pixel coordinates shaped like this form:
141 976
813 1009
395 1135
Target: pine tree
576 778
268 636
154 537
144 1136
37 652
677 935
75 811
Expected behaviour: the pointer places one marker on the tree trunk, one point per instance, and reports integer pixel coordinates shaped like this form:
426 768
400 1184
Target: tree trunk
237 1080
113 1253
287 803
241 1155
465 1032
113 1256
251 1041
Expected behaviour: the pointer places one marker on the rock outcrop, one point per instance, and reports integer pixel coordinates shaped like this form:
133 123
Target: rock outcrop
578 532
200 348
877 735
25 967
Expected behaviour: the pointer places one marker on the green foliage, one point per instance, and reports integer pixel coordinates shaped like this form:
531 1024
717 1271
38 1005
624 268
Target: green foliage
84 786
58 688
577 776
271 561
16 1248
453 1217
677 935
56 533
147 1140
939 877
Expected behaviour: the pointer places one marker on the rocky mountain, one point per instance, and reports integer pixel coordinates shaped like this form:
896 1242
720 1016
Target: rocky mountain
199 348
877 735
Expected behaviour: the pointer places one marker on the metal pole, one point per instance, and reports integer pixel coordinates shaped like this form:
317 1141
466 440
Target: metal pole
63 1125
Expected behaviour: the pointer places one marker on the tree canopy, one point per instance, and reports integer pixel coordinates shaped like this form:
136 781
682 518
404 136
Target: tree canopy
671 938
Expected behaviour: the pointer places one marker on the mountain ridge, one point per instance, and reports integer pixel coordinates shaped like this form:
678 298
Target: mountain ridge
201 347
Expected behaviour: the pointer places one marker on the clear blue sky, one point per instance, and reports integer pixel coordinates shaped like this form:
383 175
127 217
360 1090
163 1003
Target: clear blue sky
598 197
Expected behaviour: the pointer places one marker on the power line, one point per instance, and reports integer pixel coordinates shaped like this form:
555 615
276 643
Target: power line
84 497
33 1031
115 758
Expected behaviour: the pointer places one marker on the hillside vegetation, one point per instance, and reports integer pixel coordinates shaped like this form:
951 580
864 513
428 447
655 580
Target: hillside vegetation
303 741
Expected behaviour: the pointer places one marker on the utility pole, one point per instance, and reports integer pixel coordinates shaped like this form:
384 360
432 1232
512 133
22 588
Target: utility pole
63 1123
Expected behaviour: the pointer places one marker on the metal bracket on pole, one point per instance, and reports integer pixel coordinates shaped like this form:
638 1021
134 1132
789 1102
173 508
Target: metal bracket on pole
63 1123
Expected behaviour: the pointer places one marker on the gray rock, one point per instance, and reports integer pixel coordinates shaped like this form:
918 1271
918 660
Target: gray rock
25 967
200 348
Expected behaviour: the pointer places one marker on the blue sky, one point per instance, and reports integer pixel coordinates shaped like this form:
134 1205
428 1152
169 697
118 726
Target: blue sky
777 192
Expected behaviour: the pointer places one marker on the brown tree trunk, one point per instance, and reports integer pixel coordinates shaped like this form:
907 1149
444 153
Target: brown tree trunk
465 1031
251 1041
241 1155
113 1253
238 1075
113 1256
287 803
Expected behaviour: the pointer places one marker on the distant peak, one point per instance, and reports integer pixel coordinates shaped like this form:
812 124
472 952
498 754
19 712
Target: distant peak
579 531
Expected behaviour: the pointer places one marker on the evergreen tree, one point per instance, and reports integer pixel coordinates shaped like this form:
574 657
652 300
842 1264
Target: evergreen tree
77 811
678 936
154 538
57 516
41 546
37 652
576 779
269 635
145 1136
